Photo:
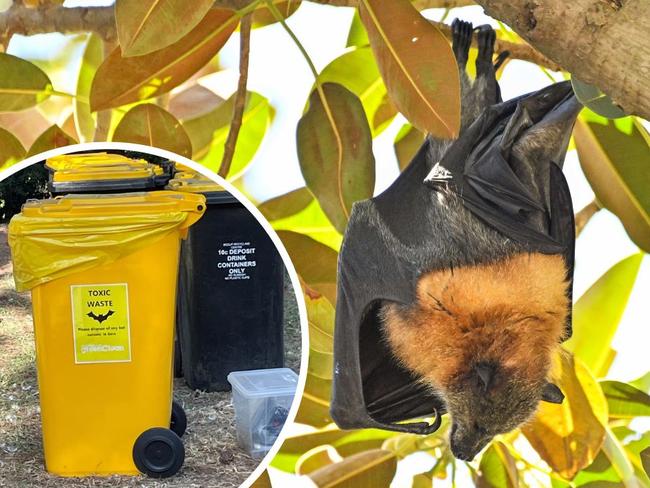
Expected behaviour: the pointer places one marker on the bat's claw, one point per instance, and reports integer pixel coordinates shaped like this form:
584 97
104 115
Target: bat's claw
486 37
461 40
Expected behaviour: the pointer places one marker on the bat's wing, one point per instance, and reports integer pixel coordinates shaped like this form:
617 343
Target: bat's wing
507 169
395 237
378 261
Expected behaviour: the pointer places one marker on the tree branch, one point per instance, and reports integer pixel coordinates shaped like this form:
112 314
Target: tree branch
26 21
419 4
240 96
604 43
30 21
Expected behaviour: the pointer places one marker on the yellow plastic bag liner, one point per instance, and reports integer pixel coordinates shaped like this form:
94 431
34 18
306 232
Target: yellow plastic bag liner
72 161
52 238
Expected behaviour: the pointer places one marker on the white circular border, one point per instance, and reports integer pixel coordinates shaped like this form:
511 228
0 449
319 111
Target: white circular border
293 275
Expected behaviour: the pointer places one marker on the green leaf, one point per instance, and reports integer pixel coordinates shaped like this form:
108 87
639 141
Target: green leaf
568 436
193 102
22 84
50 139
316 458
145 26
346 443
335 152
315 263
625 401
600 309
286 205
422 481
645 460
358 72
615 157
383 116
423 87
25 125
370 469
262 16
11 150
403 445
287 212
634 445
498 468
600 471
210 132
295 446
90 60
320 315
120 81
264 480
407 143
357 37
153 126
314 406
594 99
617 455
642 383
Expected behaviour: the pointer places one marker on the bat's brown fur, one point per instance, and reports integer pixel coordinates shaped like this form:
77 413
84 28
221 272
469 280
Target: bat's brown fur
509 314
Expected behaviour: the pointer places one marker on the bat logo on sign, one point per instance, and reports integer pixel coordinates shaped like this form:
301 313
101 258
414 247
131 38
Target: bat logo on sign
101 317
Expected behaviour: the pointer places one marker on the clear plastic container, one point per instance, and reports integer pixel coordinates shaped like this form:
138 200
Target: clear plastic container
262 399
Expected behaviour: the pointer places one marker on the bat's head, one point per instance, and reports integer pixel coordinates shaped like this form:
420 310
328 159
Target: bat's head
483 337
490 400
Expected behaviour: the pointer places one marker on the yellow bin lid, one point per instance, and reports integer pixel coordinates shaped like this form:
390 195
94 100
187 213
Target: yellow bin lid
52 238
122 171
72 161
140 203
194 185
183 168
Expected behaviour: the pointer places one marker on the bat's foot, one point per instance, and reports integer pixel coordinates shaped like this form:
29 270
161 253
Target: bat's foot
486 38
461 40
501 59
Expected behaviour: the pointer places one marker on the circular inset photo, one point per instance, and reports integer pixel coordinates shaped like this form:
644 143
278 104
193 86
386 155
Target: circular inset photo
150 323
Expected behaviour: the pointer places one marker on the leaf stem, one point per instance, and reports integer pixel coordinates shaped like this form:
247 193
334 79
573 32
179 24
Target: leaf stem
585 215
321 93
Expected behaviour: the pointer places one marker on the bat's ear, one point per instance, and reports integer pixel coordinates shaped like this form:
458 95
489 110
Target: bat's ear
552 394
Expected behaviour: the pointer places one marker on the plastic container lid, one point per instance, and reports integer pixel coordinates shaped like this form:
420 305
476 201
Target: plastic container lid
264 382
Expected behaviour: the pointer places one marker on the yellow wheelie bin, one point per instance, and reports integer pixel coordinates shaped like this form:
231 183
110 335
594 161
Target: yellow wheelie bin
102 271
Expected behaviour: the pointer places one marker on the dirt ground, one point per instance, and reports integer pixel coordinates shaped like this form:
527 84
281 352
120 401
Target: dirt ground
213 458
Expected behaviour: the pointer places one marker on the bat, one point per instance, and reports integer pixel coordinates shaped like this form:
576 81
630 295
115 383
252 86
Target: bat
454 284
101 317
